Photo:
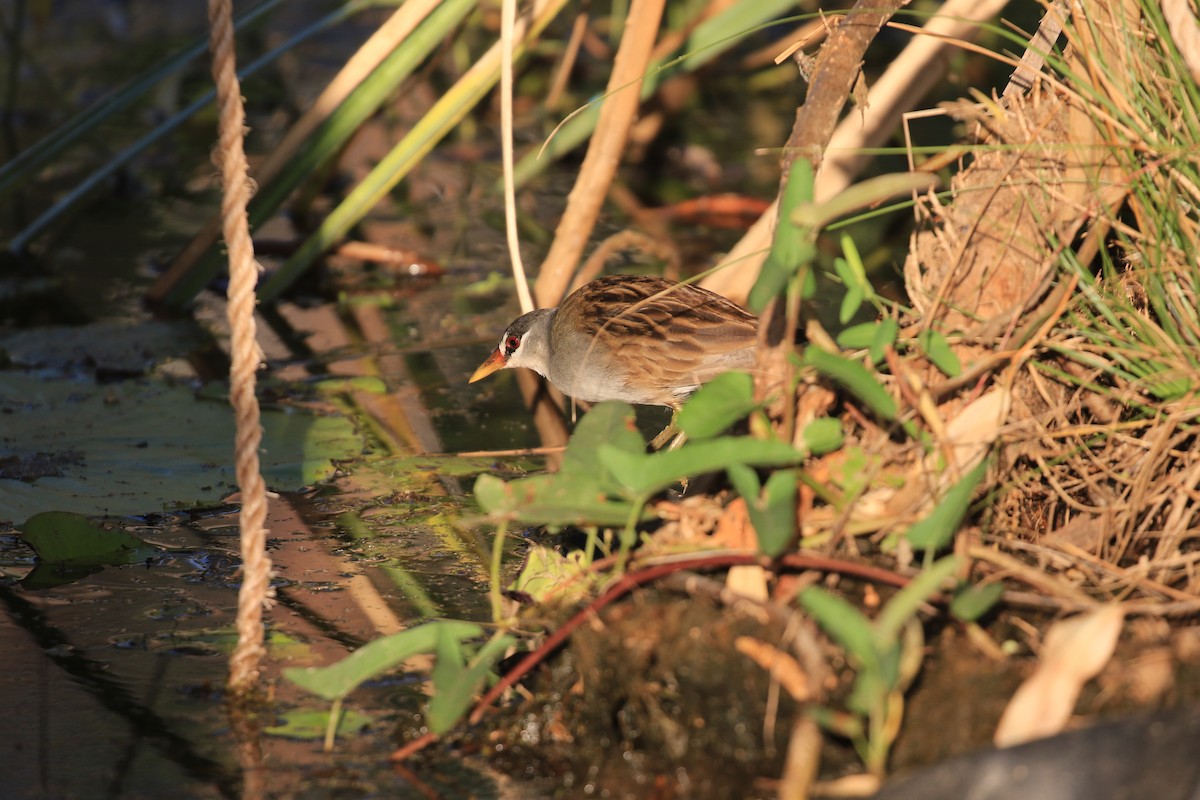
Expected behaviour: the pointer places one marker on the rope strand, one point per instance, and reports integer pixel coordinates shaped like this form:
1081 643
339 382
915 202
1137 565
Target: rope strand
245 354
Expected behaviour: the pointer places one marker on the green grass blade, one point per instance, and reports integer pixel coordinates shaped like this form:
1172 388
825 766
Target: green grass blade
332 135
338 680
455 104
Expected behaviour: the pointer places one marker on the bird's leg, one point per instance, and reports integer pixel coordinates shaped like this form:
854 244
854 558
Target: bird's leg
671 434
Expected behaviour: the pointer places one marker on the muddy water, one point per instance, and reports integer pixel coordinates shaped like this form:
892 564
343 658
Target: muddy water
113 675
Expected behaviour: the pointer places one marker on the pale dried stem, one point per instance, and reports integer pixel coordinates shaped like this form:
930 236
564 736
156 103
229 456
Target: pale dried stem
604 152
507 39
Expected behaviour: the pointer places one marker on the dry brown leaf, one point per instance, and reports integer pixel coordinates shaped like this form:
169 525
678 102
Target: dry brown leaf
733 528
1074 652
735 531
1185 30
970 435
750 581
779 665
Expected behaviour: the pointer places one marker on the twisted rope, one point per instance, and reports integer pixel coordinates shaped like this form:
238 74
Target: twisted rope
245 354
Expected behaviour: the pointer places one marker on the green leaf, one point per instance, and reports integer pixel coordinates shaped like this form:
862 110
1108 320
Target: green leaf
851 302
936 530
938 350
906 602
793 247
307 723
854 273
773 512
336 681
885 335
450 661
59 537
745 482
858 337
970 602
844 623
717 405
559 499
823 435
867 193
454 690
736 21
871 336
871 687
643 475
610 423
855 378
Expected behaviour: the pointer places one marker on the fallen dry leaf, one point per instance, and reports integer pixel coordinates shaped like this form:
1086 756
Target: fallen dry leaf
1074 652
781 666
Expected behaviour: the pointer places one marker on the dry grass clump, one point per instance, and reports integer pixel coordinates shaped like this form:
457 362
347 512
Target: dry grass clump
1068 257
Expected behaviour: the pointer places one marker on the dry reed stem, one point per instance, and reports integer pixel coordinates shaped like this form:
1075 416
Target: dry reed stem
620 107
245 355
389 36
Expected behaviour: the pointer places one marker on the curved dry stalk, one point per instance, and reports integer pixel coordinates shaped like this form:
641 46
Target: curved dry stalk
507 26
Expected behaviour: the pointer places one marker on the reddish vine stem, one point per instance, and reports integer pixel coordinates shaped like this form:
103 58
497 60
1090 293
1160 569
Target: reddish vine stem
627 583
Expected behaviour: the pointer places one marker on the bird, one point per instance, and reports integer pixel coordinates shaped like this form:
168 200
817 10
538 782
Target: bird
635 338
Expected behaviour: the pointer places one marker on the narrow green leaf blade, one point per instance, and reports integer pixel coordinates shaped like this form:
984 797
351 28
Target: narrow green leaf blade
844 623
794 245
774 514
559 499
823 435
885 336
934 345
858 337
375 658
855 378
454 694
906 602
610 423
971 602
646 475
851 302
936 530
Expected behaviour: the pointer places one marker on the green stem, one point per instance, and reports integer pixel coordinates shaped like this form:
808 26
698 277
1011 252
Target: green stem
335 717
629 532
497 559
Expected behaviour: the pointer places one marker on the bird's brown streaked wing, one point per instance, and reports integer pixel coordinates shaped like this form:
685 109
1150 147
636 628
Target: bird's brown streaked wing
628 308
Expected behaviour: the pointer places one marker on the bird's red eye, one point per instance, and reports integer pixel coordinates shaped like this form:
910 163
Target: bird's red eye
511 343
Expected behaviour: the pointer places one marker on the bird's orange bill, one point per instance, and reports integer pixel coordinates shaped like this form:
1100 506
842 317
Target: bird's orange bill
496 361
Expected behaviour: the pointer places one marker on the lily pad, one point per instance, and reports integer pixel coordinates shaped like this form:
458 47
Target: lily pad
307 723
63 538
143 446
